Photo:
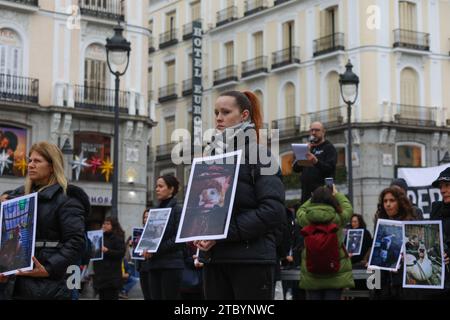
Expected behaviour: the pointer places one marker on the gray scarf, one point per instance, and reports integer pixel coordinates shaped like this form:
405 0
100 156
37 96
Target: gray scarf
224 141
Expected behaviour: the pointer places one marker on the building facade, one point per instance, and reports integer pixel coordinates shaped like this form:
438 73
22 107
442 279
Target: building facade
291 53
55 85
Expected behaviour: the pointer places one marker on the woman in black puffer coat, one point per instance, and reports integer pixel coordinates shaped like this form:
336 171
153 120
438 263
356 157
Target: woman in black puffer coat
166 265
242 266
60 239
108 272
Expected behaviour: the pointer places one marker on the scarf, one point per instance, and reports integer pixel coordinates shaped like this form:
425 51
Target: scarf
224 140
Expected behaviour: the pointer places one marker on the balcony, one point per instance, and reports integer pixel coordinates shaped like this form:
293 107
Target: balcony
168 38
254 6
168 93
254 66
187 87
277 2
151 45
110 10
285 57
188 30
332 117
288 127
100 99
411 40
164 151
227 15
225 75
21 5
414 115
18 89
328 44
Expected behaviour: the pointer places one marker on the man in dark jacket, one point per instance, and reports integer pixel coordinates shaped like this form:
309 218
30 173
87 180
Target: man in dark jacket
440 210
322 156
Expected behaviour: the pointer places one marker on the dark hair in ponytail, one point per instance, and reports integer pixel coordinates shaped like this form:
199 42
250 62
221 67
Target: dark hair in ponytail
247 100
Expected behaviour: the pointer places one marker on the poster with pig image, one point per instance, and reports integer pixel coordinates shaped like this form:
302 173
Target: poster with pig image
210 196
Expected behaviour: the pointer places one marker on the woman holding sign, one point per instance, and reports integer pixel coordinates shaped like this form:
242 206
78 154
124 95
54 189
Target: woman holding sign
167 264
60 239
242 266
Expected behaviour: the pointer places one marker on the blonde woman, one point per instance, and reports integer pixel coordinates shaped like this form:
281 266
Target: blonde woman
59 231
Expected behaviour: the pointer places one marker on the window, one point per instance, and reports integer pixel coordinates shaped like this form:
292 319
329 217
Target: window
341 165
10 53
150 26
260 96
409 87
170 21
150 81
229 53
195 10
96 148
334 93
95 71
328 21
258 45
170 67
289 100
13 145
410 155
170 127
407 15
288 35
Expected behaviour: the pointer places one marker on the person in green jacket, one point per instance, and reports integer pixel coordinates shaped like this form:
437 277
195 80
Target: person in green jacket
326 206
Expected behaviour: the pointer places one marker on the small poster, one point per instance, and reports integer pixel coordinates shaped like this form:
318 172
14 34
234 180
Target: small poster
209 198
354 241
137 233
154 230
96 238
424 254
17 234
387 245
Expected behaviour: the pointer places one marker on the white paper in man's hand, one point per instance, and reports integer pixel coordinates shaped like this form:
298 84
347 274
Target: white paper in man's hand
300 151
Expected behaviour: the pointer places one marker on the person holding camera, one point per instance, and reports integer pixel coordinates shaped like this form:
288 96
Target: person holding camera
322 157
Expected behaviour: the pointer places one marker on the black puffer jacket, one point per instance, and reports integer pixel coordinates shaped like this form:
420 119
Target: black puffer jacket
59 219
170 254
108 272
441 211
258 215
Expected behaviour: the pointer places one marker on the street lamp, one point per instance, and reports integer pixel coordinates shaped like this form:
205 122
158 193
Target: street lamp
118 57
349 83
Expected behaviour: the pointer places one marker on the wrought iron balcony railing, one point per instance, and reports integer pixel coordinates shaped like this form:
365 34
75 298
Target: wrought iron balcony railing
253 6
254 66
226 15
285 57
331 43
100 99
224 75
151 45
277 2
288 127
168 38
18 89
33 3
188 30
187 87
109 10
168 93
411 40
414 115
331 117
164 151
